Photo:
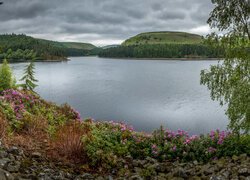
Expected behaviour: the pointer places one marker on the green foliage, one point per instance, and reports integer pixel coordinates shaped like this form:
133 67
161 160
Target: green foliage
229 80
231 15
105 145
163 51
29 78
6 77
18 55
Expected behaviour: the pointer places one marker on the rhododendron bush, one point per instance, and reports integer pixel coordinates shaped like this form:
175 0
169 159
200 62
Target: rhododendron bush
111 142
17 104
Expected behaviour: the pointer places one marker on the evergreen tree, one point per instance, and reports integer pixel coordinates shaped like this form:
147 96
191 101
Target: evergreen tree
29 78
6 77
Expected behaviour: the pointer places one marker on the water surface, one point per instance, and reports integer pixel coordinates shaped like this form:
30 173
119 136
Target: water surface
143 93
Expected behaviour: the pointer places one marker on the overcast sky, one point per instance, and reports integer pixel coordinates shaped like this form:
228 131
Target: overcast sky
102 22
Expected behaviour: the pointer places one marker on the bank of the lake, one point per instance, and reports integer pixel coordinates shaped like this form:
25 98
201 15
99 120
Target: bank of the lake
42 140
167 59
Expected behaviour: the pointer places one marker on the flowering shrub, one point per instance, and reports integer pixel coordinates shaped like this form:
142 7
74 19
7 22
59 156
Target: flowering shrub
107 144
15 104
111 141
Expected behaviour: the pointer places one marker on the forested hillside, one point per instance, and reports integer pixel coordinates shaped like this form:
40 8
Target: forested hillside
21 47
163 45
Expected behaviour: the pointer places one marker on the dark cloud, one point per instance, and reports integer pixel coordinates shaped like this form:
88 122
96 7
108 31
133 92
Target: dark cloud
102 21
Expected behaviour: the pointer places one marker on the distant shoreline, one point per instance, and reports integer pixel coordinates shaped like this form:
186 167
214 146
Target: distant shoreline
167 59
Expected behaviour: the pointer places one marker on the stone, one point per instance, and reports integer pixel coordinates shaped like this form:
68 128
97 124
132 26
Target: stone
243 157
208 171
129 158
3 154
100 178
195 162
151 160
136 163
4 162
13 168
243 171
136 177
15 151
84 176
2 175
180 172
36 155
161 168
235 158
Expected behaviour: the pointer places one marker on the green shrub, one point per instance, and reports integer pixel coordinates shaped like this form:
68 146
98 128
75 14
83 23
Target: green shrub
6 78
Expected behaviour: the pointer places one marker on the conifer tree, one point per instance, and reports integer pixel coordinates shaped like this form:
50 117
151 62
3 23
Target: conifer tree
29 78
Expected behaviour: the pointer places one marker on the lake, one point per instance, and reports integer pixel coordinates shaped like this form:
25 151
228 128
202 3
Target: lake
143 93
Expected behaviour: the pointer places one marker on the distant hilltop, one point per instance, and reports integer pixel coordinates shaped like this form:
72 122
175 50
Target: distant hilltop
163 45
163 37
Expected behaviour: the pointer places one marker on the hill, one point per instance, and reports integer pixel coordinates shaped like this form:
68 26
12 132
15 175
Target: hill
164 37
110 46
163 45
77 45
21 47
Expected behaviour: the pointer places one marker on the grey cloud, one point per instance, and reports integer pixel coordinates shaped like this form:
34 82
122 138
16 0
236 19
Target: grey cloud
106 20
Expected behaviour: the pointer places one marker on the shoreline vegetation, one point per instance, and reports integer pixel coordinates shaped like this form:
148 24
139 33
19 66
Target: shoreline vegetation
170 59
48 140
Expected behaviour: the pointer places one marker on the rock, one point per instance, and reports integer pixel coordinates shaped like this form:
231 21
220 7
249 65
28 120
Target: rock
243 157
243 171
13 168
151 160
4 162
100 178
110 178
195 162
4 175
84 176
3 154
209 171
180 172
136 177
136 163
235 158
129 158
216 178
36 155
15 151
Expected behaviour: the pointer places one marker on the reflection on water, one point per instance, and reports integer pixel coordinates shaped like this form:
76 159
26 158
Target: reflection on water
143 93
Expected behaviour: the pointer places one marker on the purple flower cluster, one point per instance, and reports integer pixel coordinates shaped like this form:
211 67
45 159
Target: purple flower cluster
19 101
154 149
122 126
218 136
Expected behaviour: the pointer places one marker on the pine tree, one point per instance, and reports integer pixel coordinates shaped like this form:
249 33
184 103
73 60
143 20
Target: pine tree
29 78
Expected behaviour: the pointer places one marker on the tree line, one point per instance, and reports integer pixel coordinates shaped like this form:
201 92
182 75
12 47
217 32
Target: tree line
163 51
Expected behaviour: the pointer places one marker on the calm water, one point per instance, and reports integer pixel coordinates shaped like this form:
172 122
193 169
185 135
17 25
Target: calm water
142 93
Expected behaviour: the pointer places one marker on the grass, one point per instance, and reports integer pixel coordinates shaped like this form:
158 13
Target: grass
163 38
